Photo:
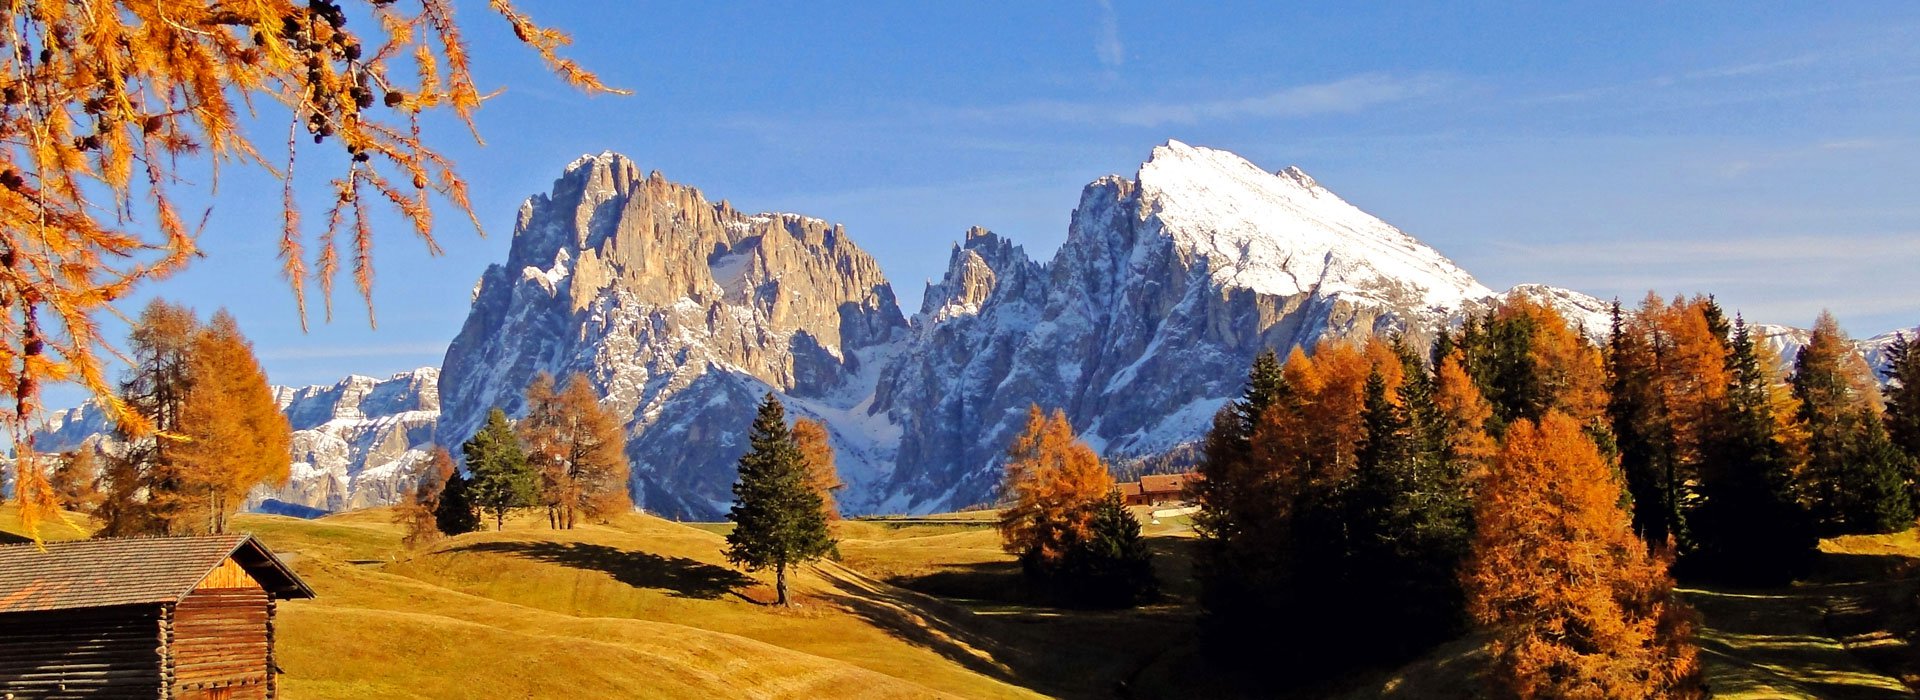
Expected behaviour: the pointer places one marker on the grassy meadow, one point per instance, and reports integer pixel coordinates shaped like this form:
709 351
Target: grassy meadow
913 608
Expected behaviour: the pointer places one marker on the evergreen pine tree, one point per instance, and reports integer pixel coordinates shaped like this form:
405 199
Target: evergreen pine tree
1882 479
1856 481
1748 527
1239 522
1637 416
499 478
1112 566
454 513
1409 521
778 519
1903 395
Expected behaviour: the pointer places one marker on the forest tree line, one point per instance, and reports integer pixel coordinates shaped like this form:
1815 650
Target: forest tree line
1364 501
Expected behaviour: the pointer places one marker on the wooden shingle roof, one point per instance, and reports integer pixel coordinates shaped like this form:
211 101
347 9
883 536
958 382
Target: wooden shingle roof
1166 483
129 571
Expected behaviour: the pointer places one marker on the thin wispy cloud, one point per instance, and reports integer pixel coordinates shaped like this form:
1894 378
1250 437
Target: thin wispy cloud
1347 95
1857 248
1106 43
1674 80
1826 149
1774 279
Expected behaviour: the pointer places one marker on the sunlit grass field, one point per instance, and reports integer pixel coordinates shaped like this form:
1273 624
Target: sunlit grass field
910 608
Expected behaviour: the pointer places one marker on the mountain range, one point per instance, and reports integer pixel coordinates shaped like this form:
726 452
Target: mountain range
684 312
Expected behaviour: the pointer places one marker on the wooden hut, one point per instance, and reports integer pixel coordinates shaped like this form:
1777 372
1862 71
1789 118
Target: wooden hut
164 617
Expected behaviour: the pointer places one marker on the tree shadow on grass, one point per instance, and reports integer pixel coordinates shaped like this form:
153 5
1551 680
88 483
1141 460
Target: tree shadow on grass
1843 633
922 622
679 576
984 617
996 582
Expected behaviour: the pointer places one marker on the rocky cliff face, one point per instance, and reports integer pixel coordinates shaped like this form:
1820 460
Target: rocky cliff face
357 443
683 313
1143 324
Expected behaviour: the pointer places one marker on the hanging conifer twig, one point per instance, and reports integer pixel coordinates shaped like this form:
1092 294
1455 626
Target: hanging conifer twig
106 104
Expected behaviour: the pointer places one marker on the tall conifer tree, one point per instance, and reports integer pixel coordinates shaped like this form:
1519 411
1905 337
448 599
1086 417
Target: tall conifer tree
499 479
236 436
778 520
1575 604
1855 480
1903 395
1748 526
419 507
822 477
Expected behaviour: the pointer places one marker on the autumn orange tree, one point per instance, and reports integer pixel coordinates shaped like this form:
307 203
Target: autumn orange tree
1078 544
1333 467
1576 605
105 105
576 448
233 435
418 507
1052 483
223 433
143 480
1668 375
76 479
1529 359
822 477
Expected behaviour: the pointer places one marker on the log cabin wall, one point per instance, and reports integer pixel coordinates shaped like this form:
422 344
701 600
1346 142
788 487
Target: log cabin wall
96 653
221 645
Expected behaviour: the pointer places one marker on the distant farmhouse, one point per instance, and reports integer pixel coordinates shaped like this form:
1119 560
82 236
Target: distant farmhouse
1158 489
167 617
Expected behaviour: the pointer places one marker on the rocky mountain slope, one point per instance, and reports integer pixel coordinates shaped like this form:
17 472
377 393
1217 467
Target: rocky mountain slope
1143 323
355 443
683 312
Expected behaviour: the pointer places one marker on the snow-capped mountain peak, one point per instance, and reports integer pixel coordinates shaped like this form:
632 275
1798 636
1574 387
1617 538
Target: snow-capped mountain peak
1283 234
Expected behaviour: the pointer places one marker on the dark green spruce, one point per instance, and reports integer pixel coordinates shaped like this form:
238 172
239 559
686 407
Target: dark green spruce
778 522
499 478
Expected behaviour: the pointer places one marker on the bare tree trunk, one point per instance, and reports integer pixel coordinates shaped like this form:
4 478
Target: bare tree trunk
780 583
499 520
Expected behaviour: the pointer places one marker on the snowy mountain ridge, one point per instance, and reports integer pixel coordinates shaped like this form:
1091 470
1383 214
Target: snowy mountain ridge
356 443
684 312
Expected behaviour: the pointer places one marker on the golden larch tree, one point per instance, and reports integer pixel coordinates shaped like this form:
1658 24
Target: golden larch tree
577 450
822 477
1465 412
143 480
1568 370
1575 604
76 479
418 505
233 436
108 107
1053 481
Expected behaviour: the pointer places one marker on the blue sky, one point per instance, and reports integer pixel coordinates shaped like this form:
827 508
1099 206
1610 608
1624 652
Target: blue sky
1768 153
